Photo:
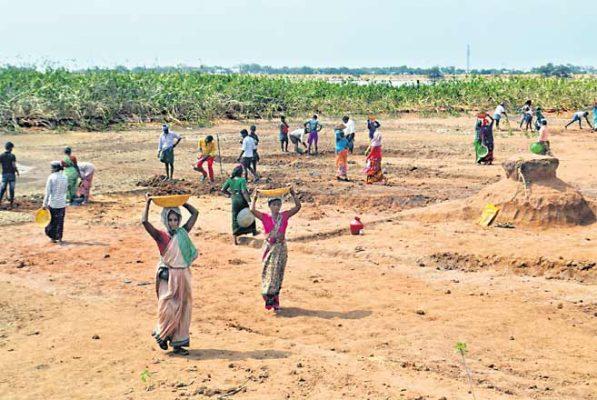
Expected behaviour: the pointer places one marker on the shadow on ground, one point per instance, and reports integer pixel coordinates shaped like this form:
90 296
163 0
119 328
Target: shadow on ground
216 354
292 312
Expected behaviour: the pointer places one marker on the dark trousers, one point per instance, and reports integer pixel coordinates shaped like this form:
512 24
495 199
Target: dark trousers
350 139
8 180
55 227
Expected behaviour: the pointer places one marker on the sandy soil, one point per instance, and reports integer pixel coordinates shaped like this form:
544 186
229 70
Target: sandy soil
375 316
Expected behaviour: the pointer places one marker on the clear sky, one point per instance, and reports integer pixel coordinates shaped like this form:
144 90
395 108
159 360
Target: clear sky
502 33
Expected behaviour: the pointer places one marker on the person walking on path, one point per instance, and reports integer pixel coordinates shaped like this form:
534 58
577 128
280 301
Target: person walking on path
71 170
349 132
207 154
283 135
247 153
275 251
55 201
168 141
9 173
253 134
578 116
173 276
313 127
235 188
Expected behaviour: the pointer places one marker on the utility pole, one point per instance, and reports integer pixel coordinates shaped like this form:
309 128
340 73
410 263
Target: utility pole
468 59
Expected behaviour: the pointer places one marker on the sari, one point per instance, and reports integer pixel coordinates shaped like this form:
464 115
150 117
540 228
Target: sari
173 286
85 187
72 175
236 186
342 164
373 169
341 154
275 257
483 143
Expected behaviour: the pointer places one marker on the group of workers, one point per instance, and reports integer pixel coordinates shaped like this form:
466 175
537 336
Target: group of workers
305 140
176 249
344 136
483 142
177 253
69 183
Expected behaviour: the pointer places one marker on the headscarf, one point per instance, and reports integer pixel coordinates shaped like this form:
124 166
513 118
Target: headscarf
185 245
56 165
166 212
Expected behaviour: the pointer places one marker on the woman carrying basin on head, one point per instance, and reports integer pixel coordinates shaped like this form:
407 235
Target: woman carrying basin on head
173 277
275 254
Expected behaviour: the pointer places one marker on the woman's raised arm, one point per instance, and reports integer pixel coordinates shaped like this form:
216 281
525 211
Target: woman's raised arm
297 204
256 213
192 219
145 220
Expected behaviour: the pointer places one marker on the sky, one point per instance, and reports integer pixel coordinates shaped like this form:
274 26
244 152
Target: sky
418 33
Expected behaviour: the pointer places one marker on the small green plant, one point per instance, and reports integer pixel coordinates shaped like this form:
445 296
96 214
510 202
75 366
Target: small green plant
145 375
462 349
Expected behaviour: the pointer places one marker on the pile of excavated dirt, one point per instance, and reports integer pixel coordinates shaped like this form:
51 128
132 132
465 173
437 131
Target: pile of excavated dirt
158 186
530 195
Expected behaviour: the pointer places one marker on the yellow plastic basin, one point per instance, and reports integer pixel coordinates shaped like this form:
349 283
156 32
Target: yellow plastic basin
42 217
174 200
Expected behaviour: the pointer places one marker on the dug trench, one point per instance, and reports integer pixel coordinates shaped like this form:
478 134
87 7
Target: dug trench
580 270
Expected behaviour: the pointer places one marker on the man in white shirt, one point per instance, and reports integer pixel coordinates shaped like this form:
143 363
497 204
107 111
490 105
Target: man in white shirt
168 141
297 137
247 153
55 201
497 114
349 132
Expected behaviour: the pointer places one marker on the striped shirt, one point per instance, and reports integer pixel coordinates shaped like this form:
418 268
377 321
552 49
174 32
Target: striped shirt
56 188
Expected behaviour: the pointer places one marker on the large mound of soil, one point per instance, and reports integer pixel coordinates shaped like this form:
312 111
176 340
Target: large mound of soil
530 195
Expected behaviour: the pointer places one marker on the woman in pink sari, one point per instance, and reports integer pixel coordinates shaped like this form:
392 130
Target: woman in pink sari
275 253
173 276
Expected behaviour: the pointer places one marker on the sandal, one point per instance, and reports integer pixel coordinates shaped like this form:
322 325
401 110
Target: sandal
180 350
162 343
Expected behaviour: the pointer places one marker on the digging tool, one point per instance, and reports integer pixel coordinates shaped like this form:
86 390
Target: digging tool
508 126
220 155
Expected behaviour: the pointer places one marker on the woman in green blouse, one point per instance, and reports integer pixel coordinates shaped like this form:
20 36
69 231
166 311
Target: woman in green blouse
235 187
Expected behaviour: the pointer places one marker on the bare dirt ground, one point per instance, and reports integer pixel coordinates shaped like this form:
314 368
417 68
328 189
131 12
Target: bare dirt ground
375 316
